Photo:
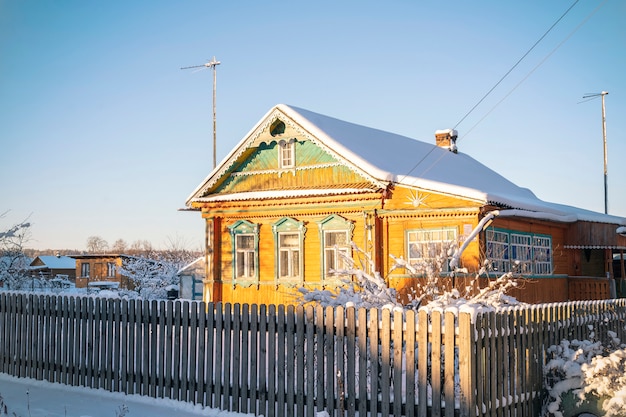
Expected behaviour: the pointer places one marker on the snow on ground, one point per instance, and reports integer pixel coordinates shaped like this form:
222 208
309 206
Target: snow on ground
31 398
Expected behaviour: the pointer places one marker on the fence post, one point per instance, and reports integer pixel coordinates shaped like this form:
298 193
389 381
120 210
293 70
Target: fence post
467 365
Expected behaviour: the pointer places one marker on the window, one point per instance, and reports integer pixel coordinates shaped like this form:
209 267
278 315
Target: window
542 255
110 269
288 255
336 238
521 251
498 250
336 248
530 254
245 251
245 259
84 270
287 154
430 245
289 239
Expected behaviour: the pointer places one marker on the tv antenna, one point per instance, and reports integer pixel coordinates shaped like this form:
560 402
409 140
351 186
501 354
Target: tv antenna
211 64
590 97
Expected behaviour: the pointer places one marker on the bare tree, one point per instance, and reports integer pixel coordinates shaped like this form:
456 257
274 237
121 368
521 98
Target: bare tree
140 247
96 244
119 246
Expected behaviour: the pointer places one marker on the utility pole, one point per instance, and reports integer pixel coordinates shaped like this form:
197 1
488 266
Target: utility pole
606 193
211 64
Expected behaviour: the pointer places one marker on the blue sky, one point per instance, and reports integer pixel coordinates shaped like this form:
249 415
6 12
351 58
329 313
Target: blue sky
102 134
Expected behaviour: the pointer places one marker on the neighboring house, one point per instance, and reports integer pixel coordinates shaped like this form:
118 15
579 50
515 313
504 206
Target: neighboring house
192 280
50 266
99 269
293 194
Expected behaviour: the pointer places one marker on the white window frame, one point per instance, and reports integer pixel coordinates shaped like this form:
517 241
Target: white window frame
110 269
85 267
427 245
332 256
292 272
245 262
289 256
498 250
287 154
335 253
245 259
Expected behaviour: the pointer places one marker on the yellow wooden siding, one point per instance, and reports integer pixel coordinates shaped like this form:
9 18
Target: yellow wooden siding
320 177
402 198
268 287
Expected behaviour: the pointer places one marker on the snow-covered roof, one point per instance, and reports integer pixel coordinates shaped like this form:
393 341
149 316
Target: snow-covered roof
56 262
389 157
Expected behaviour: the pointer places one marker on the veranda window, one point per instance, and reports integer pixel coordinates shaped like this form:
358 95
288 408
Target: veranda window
524 253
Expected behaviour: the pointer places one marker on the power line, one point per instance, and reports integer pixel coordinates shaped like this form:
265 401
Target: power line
516 64
505 75
536 67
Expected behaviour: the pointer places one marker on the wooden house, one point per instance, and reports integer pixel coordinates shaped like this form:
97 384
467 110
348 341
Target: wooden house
100 270
288 200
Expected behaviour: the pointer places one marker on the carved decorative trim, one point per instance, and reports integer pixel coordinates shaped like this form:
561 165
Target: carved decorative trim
280 171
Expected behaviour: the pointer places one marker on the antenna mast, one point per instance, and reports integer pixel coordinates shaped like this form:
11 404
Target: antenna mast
606 195
211 64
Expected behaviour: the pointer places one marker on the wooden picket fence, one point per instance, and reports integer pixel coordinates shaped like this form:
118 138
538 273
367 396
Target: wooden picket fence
286 361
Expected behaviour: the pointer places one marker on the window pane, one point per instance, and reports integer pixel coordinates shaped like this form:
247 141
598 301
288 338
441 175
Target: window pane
295 263
284 264
289 240
245 242
251 267
336 238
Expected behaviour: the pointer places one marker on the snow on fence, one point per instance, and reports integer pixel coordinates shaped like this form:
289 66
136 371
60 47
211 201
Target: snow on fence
285 361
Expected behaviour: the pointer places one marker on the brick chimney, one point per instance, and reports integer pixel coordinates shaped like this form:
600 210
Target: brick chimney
446 139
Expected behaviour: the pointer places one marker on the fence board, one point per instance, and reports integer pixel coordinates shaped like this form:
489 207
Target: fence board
374 341
398 348
290 358
310 362
385 361
300 354
422 363
280 361
245 354
435 344
410 363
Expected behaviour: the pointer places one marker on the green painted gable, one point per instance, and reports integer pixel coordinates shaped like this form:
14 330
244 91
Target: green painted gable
314 168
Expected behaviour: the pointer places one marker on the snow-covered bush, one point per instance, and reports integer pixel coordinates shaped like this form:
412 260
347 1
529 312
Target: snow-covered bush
371 290
366 290
13 262
605 377
586 371
152 275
